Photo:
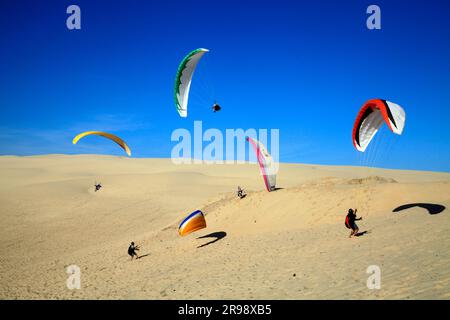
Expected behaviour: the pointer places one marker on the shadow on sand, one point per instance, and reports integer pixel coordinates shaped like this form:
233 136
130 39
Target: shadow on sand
359 234
217 235
143 256
431 207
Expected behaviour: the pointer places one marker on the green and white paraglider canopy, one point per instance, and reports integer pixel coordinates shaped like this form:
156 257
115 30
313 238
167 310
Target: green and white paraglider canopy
184 78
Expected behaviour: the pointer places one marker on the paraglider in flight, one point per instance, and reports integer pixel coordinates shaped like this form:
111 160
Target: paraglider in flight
216 107
110 136
372 115
184 78
266 164
195 221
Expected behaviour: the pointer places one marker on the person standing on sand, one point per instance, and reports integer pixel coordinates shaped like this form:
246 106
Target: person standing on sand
350 222
97 186
132 251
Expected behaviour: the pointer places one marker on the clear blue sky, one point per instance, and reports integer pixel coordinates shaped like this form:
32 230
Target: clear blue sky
304 67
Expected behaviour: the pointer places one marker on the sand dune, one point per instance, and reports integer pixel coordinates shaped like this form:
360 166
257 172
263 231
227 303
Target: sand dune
287 244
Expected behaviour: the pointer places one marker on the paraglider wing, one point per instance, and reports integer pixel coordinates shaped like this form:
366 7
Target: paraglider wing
371 117
195 221
110 136
266 164
184 78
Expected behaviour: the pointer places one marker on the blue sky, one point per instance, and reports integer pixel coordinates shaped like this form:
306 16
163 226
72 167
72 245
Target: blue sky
303 67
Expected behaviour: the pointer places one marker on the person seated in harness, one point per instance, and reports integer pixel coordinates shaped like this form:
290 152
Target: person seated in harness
241 193
216 107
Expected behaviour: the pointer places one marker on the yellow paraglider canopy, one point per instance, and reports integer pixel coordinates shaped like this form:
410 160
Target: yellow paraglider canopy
110 136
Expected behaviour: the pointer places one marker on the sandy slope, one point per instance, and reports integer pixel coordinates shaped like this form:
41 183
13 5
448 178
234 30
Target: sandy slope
52 218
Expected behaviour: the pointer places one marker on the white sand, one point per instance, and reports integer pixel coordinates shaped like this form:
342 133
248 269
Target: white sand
51 218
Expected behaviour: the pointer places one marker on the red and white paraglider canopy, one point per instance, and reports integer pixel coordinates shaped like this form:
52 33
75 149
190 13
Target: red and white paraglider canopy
371 117
266 164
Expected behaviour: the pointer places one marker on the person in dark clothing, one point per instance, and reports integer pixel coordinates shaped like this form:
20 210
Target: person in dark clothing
240 192
350 222
132 250
216 107
97 186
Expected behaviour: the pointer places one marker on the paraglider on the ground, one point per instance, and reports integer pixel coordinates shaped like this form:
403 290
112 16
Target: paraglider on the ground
350 221
183 79
266 164
370 118
97 186
193 222
110 136
132 250
241 193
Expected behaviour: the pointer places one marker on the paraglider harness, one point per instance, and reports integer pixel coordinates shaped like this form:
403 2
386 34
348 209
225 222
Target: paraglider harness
347 222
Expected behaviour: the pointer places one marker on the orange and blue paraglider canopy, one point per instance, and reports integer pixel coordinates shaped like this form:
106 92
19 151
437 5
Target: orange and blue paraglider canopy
193 222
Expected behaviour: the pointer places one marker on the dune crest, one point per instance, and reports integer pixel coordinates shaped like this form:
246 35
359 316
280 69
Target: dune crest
372 180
